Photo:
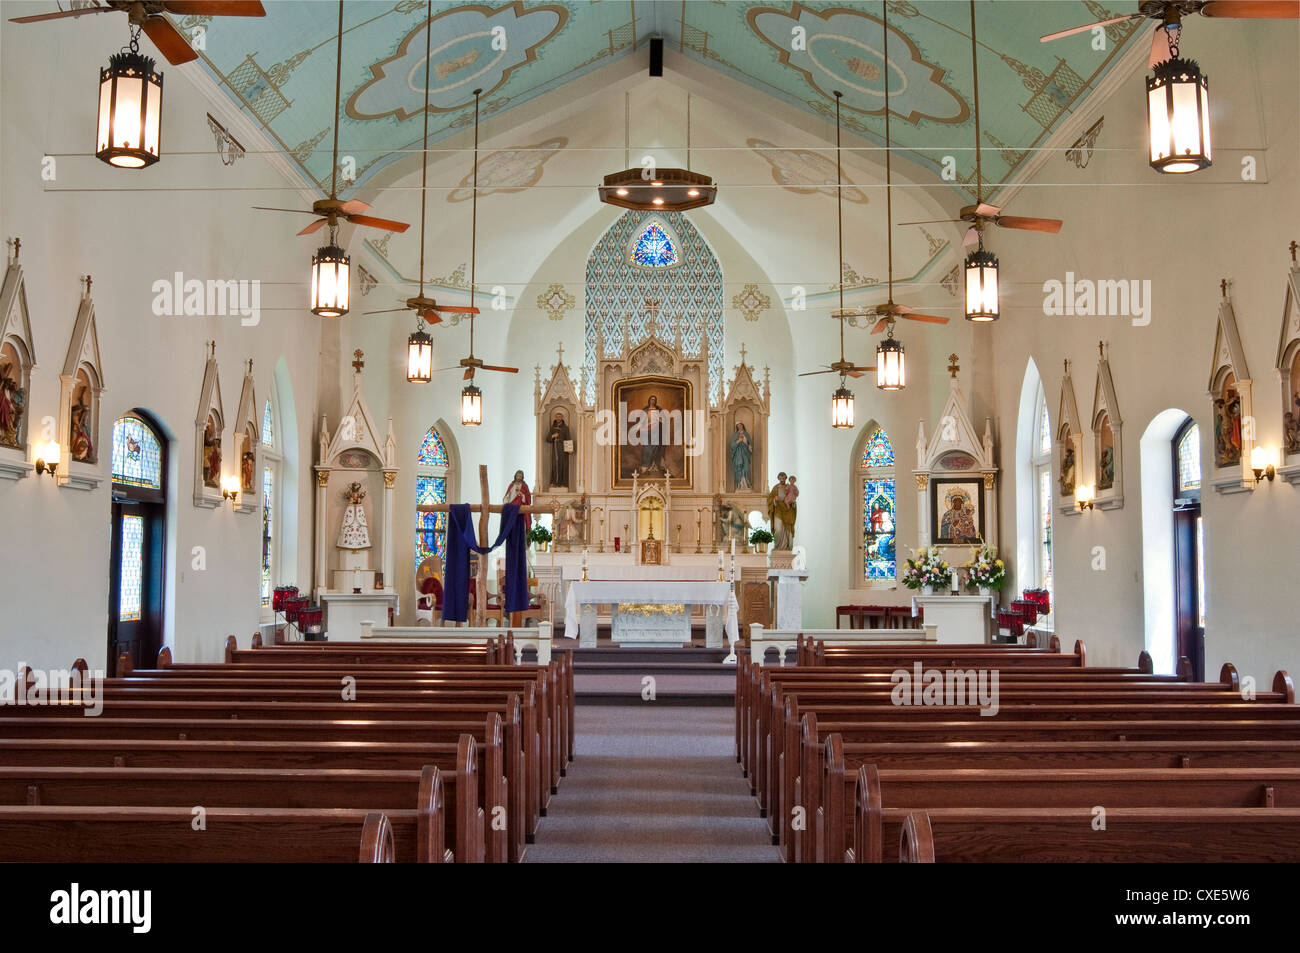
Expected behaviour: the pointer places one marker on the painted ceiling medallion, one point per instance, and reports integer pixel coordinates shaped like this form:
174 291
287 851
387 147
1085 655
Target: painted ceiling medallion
510 170
803 171
751 302
474 47
843 51
555 301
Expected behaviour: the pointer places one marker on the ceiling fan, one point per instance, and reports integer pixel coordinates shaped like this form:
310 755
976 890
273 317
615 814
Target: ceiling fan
842 367
472 363
1171 12
981 214
425 308
148 15
330 210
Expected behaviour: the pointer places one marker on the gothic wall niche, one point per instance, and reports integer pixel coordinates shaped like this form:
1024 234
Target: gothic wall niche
247 440
1107 439
17 358
1231 403
1288 371
81 385
209 427
1071 469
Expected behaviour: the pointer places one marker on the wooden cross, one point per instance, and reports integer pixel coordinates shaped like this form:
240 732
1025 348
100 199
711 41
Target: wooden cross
1294 246
18 244
559 353
1223 286
1067 366
1101 349
742 355
357 363
483 510
953 367
87 280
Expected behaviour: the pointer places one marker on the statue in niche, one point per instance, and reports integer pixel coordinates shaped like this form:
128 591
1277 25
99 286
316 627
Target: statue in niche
561 441
740 451
519 493
1105 456
354 533
1291 419
1227 426
732 524
82 421
573 515
1067 468
782 511
13 398
211 455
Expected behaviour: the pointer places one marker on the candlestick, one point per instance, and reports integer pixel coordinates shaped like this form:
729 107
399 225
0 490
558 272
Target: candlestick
699 534
584 564
602 532
720 566
679 537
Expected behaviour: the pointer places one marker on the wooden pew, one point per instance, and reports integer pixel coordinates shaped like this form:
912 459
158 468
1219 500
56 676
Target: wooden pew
166 835
833 823
1066 835
412 800
884 798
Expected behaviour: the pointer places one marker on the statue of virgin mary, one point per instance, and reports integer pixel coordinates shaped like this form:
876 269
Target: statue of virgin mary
354 533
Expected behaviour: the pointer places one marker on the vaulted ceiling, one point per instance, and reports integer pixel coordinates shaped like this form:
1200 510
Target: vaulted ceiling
280 70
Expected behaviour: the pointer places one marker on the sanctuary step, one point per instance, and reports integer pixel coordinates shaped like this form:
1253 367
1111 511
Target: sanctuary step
682 676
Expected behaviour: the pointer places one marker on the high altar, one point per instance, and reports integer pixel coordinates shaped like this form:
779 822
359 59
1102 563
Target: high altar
652 479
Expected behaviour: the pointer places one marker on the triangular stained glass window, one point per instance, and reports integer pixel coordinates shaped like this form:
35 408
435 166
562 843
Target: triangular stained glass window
433 453
878 452
654 247
268 427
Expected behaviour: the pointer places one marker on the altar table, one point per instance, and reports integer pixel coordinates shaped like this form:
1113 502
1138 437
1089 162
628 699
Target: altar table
636 624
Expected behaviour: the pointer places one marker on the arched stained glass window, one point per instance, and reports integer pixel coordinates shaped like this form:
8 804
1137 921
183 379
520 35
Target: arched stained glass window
433 453
137 454
878 451
268 426
877 498
1044 430
654 247
1189 460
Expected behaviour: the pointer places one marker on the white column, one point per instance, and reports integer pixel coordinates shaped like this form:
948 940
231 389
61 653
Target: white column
322 534
390 479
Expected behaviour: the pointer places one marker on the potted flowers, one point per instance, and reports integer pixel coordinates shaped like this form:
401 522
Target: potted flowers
760 539
985 572
927 571
540 535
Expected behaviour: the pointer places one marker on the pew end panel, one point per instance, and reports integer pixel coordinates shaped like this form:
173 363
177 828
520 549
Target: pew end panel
376 839
916 844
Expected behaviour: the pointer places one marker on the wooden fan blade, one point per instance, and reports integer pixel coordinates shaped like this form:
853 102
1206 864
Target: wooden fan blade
1253 9
315 226
296 211
503 370
215 8
1049 225
60 15
859 371
880 326
352 206
469 373
1083 29
373 222
930 318
937 221
385 311
169 42
985 210
815 373
457 309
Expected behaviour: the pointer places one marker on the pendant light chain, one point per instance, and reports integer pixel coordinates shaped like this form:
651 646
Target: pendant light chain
424 156
889 192
338 85
839 219
473 228
975 75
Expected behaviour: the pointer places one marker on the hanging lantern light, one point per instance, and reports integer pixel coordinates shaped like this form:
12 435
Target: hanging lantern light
471 406
891 371
130 109
419 356
1178 116
981 285
842 407
330 279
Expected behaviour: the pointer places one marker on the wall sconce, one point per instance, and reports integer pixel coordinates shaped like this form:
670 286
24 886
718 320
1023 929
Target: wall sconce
48 455
230 489
1263 460
1084 497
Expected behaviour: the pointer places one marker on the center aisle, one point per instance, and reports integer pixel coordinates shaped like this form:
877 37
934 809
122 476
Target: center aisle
653 784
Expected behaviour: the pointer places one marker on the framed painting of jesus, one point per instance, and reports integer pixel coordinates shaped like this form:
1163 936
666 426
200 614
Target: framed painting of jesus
656 431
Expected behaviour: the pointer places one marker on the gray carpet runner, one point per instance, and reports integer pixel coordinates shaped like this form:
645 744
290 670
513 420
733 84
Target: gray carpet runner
653 784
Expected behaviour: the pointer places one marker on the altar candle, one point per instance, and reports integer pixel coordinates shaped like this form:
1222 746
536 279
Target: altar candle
720 560
955 590
733 547
584 558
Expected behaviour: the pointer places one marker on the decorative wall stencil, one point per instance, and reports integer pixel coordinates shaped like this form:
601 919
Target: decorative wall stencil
555 301
804 172
751 302
17 355
228 147
951 280
1288 370
620 296
1107 433
365 280
209 428
842 51
510 170
1080 154
81 385
1232 403
465 57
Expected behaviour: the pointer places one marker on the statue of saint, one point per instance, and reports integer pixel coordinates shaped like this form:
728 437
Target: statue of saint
558 437
83 448
354 533
518 492
781 514
740 451
732 522
1067 470
211 456
13 401
247 466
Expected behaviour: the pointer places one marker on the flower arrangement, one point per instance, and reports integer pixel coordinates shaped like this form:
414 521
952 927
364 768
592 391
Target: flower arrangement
761 535
927 569
539 534
985 570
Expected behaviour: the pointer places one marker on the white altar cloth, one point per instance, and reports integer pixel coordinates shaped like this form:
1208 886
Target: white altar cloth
583 597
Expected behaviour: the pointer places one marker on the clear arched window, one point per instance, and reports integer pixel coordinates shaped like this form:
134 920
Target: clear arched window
877 497
272 468
1042 476
431 486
